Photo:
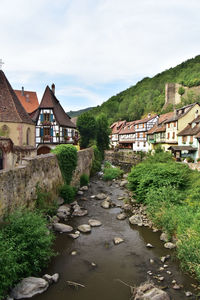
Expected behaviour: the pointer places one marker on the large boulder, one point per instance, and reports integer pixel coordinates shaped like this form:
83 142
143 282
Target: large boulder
123 183
84 188
63 211
148 291
29 287
78 211
59 227
84 228
136 220
164 237
169 245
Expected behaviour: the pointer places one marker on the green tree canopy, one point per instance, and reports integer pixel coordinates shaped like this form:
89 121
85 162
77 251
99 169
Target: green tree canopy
86 125
103 132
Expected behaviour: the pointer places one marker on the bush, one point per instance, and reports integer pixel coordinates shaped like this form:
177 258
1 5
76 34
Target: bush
67 159
147 176
181 90
84 179
25 247
67 192
44 202
112 173
189 159
96 164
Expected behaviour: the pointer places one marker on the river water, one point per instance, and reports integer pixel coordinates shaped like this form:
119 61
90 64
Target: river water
128 261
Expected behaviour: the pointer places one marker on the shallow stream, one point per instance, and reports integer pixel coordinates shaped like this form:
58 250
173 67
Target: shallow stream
128 261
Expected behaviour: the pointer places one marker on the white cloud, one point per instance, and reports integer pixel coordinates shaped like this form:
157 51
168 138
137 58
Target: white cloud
97 41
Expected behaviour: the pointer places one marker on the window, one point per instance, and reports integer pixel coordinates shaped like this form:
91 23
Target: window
46 130
143 125
173 135
144 134
168 135
191 139
138 144
28 136
184 139
144 144
168 125
65 132
174 124
46 117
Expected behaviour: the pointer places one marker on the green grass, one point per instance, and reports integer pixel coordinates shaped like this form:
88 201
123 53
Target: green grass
112 173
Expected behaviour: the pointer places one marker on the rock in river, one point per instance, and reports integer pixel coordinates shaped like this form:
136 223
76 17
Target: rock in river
94 223
169 245
78 211
63 211
62 227
75 235
164 237
136 220
123 183
84 228
105 204
84 188
101 196
121 216
29 287
118 240
148 291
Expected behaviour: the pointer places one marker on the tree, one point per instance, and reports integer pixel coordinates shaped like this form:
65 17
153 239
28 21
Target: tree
103 132
86 125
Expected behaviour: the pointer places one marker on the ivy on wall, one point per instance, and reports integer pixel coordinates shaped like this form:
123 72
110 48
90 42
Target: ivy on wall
67 159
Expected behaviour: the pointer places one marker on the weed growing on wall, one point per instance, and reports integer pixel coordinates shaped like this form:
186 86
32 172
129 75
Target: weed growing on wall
96 163
84 179
67 192
67 159
25 248
44 202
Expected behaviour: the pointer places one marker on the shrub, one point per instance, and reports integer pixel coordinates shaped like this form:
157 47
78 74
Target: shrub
84 179
107 164
44 202
147 176
96 164
67 192
181 90
25 247
190 159
67 159
112 173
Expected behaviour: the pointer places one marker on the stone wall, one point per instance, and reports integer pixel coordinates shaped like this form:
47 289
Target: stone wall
84 165
123 159
18 185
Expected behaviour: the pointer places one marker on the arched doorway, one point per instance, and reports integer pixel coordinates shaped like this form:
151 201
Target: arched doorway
1 159
43 150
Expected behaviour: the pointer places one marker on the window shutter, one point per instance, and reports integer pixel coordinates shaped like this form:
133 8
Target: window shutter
41 132
42 117
51 131
51 119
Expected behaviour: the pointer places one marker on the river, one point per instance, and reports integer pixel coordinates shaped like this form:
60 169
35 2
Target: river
128 261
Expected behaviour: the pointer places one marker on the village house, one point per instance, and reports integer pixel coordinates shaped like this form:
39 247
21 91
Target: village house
17 130
141 128
28 99
188 140
177 123
115 129
53 125
127 136
157 134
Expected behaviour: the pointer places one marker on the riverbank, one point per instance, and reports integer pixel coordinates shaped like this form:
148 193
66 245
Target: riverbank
94 261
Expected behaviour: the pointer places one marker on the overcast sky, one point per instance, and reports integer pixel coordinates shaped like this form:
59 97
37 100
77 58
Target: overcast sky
93 49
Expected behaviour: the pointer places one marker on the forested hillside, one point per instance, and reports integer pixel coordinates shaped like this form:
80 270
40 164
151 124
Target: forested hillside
148 95
77 113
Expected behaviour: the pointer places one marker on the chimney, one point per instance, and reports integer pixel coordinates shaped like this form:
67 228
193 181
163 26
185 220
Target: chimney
22 91
53 88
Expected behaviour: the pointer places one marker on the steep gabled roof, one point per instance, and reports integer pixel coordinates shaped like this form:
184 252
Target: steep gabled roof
188 130
28 100
160 127
11 109
50 101
179 113
145 120
128 128
116 127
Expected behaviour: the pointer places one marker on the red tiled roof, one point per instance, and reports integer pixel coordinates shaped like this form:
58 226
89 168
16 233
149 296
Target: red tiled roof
116 127
28 99
160 127
128 128
188 130
49 100
11 109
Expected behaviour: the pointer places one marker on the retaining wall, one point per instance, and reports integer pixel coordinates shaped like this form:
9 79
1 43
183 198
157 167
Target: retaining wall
123 159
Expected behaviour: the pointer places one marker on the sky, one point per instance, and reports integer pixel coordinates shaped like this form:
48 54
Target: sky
93 49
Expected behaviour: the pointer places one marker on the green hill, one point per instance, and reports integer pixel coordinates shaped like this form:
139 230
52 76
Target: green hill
148 95
77 113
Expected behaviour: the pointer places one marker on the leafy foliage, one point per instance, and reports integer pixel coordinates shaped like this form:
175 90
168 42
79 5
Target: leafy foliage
181 90
103 132
44 201
67 159
86 125
148 95
84 179
67 192
112 173
96 163
25 247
